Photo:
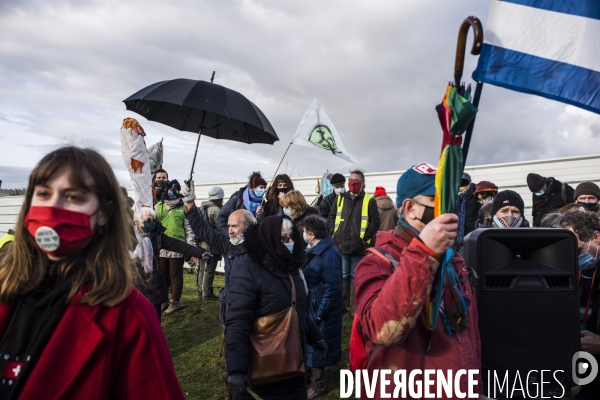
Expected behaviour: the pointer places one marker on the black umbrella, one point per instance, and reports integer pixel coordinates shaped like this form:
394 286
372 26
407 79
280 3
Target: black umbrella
204 108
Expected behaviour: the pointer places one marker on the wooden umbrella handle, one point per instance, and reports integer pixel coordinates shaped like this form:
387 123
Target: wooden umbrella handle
461 45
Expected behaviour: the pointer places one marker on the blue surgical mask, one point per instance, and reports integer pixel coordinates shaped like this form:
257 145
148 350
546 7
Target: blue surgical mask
171 195
306 240
540 193
326 188
586 261
259 192
287 212
339 190
290 246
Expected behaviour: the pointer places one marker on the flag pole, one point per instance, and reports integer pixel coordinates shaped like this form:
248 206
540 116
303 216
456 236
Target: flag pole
277 170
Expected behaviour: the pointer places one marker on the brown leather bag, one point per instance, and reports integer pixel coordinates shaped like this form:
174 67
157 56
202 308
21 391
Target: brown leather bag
275 347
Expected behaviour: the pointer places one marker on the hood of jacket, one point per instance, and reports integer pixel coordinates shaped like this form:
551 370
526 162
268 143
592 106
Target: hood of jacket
385 203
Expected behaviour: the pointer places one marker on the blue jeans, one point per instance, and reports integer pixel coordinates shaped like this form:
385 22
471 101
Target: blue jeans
349 262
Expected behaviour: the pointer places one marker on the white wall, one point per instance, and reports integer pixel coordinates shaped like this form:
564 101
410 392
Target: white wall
572 170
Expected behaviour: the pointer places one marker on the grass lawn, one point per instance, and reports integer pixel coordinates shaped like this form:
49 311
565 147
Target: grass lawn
194 337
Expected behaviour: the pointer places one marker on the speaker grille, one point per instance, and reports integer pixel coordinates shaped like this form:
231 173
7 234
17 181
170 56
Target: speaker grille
498 281
558 281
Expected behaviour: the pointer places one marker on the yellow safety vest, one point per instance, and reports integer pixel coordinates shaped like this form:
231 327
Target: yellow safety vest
364 216
5 239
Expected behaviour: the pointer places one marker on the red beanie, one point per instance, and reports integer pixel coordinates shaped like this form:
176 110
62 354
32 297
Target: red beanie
379 191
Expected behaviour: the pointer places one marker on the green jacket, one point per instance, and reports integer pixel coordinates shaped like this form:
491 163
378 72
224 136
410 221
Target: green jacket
173 221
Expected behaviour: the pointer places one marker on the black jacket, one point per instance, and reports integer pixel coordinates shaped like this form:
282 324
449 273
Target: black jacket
347 238
256 287
326 203
214 238
471 211
323 273
299 222
553 199
154 287
235 202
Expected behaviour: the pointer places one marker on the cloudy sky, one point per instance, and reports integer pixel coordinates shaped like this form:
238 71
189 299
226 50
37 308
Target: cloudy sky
378 68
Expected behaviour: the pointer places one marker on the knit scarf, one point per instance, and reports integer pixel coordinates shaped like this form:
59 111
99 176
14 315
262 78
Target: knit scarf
461 206
251 201
454 313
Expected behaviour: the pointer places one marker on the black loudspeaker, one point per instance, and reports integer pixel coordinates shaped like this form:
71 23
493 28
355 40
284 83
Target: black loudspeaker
528 307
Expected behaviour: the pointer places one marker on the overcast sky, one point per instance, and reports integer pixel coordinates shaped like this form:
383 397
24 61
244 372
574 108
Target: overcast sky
378 68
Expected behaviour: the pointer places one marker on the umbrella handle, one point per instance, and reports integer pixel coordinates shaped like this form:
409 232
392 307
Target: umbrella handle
461 45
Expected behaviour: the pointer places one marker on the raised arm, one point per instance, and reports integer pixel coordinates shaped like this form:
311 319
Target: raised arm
205 232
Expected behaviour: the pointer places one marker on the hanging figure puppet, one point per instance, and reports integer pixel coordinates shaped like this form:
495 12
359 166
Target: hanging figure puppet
137 161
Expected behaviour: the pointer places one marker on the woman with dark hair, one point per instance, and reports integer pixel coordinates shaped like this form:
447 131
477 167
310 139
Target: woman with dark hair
281 185
323 273
248 198
264 288
295 206
72 326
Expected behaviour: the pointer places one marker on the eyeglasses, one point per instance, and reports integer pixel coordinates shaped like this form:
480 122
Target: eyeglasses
286 239
422 205
355 180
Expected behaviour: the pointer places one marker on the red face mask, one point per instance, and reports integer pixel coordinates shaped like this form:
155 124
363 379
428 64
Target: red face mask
355 187
57 231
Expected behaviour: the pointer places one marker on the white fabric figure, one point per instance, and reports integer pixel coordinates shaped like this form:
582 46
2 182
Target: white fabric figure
137 162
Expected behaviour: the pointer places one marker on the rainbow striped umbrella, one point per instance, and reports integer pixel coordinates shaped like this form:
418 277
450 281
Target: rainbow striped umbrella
455 113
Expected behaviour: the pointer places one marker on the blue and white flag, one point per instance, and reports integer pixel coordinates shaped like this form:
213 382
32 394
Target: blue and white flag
550 48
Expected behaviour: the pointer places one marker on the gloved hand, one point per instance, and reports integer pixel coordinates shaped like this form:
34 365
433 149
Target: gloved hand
206 256
320 349
188 191
238 384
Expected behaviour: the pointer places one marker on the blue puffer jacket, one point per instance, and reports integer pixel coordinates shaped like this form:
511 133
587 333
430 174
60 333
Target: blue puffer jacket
323 274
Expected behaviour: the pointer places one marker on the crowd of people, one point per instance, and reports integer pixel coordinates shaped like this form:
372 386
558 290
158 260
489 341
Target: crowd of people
80 269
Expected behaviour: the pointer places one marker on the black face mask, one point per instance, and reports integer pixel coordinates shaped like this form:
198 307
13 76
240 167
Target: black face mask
281 190
428 215
589 206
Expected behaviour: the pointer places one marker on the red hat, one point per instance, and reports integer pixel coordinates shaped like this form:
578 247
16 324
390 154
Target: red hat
486 186
379 191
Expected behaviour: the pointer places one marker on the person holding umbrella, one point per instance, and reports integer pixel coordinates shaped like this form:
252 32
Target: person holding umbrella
72 325
390 299
248 198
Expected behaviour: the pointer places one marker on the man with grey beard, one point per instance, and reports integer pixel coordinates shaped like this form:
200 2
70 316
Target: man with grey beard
231 245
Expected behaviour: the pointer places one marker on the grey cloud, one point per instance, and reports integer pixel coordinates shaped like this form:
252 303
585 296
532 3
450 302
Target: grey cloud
378 69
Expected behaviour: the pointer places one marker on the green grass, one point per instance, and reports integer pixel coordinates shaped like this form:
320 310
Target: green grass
194 337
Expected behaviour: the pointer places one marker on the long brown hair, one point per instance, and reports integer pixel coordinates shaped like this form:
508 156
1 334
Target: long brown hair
272 195
103 263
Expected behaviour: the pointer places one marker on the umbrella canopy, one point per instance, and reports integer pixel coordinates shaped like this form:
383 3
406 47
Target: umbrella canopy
194 106
455 114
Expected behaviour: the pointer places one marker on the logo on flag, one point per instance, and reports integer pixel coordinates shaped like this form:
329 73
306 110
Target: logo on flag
321 136
546 48
316 129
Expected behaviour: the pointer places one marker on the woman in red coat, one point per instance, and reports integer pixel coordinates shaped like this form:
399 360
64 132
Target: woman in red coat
72 326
